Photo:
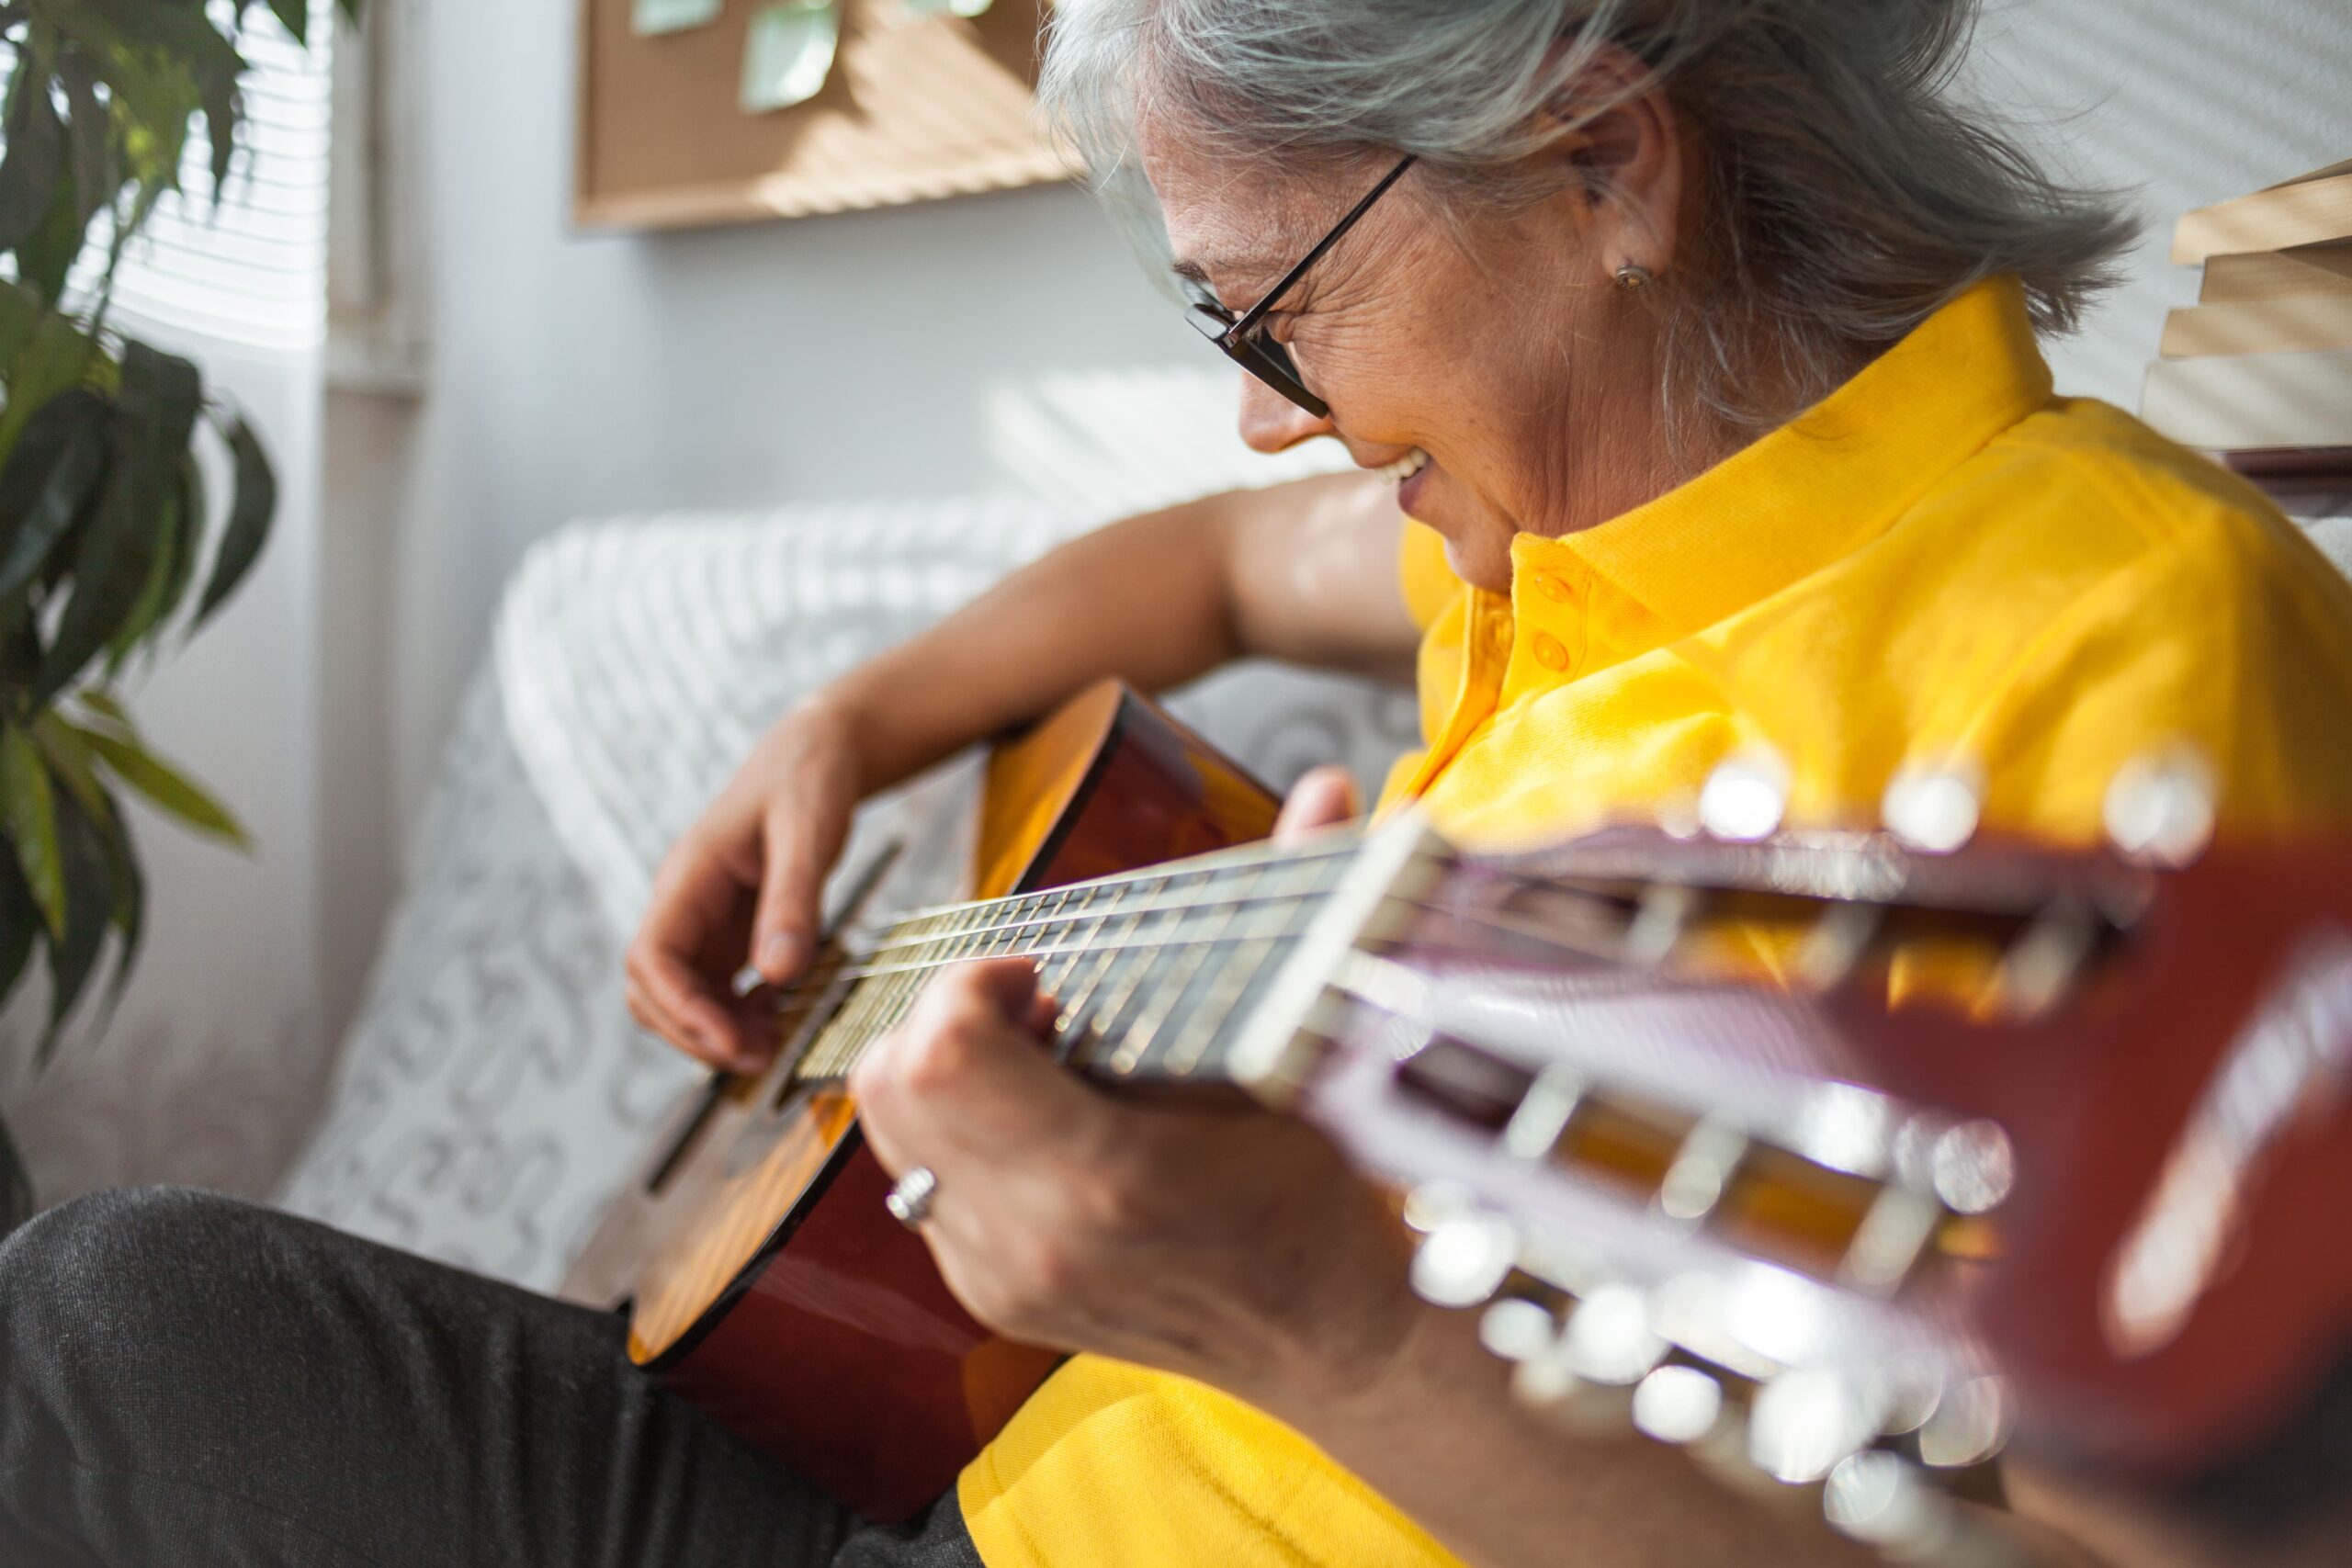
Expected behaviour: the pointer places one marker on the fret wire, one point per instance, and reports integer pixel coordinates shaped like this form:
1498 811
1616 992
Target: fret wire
1153 908
1295 906
1264 970
1215 862
1075 1016
1118 887
1077 954
845 1058
1233 982
1202 1021
1053 978
1137 1039
1155 950
899 994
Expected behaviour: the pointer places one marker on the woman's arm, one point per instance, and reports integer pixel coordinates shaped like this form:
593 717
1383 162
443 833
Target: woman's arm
1304 571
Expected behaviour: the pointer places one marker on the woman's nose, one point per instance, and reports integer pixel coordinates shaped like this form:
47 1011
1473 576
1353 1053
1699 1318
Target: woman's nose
1271 423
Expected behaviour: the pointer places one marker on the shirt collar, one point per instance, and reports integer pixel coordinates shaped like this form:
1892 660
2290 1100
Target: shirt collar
1821 486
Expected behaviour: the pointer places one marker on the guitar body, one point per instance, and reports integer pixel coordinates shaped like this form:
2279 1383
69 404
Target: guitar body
766 1281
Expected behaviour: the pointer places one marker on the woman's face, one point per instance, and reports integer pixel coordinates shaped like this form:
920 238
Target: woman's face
1495 343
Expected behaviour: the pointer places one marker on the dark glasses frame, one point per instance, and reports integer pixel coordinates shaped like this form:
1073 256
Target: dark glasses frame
1241 338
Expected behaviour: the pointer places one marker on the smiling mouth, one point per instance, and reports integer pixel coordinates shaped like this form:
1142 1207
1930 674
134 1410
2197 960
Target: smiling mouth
1404 467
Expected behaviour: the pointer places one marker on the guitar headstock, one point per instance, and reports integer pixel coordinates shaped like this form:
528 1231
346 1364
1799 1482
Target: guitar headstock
1815 1149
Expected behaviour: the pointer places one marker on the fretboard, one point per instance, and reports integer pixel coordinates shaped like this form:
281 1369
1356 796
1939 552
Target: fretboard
1155 971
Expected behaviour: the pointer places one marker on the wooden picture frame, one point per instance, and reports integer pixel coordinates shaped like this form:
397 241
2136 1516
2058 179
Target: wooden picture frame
917 107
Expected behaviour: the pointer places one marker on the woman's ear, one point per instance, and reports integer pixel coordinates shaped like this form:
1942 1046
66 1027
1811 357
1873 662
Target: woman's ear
1628 161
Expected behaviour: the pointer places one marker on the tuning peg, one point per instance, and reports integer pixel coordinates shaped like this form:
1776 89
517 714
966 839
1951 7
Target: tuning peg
1803 1423
1693 1184
1880 1499
1973 1166
1678 1404
2042 964
1431 1203
1970 1424
1609 1339
1835 943
1745 797
2160 807
1660 918
1933 810
1465 1259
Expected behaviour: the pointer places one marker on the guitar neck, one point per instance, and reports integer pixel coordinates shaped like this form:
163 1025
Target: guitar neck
1157 972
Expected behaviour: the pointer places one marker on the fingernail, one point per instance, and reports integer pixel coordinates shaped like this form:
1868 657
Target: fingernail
778 951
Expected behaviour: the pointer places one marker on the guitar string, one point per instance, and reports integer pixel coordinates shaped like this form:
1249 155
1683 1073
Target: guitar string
860 966
1217 863
901 932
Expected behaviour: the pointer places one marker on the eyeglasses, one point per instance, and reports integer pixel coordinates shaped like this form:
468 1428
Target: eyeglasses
1243 339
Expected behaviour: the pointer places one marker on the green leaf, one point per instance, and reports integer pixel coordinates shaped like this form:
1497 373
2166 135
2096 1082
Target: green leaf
71 761
195 512
169 790
175 539
28 176
250 513
98 173
28 808
355 11
67 752
45 255
56 356
47 480
130 911
106 705
89 911
20 922
154 418
20 644
20 311
296 15
182 32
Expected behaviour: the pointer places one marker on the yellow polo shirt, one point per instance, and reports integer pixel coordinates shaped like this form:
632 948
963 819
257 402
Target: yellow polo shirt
1941 563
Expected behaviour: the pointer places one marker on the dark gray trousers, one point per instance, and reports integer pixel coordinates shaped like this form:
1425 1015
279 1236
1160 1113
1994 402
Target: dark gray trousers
188 1380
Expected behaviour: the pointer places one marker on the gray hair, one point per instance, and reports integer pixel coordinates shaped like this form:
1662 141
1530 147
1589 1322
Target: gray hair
1855 196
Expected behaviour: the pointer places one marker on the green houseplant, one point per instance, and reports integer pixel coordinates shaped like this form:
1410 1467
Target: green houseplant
109 545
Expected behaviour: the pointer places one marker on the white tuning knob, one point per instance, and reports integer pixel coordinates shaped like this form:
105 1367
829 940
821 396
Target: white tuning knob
1465 1259
1745 797
1933 810
2160 807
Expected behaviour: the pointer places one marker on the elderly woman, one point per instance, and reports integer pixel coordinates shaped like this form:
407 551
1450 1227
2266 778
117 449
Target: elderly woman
1697 340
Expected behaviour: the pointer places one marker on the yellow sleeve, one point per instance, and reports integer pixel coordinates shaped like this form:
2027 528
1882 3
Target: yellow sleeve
2235 637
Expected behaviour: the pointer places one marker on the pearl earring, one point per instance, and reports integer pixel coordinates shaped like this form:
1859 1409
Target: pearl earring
1633 277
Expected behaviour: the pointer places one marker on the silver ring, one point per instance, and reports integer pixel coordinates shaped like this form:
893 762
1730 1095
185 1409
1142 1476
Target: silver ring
909 1201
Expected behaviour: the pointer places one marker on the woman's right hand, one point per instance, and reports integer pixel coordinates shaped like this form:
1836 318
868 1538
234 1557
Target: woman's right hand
742 887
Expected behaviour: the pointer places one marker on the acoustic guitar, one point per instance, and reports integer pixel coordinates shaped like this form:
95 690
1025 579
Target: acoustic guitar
1563 1058
762 1275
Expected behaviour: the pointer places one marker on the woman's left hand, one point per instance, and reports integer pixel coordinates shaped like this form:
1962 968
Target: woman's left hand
1222 1242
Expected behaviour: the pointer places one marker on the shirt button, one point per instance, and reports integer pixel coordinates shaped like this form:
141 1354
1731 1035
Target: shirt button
1552 588
1549 653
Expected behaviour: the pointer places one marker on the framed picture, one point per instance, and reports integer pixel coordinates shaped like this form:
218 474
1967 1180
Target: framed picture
913 101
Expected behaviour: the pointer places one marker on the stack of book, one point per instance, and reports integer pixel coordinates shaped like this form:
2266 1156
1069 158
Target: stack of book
2259 371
